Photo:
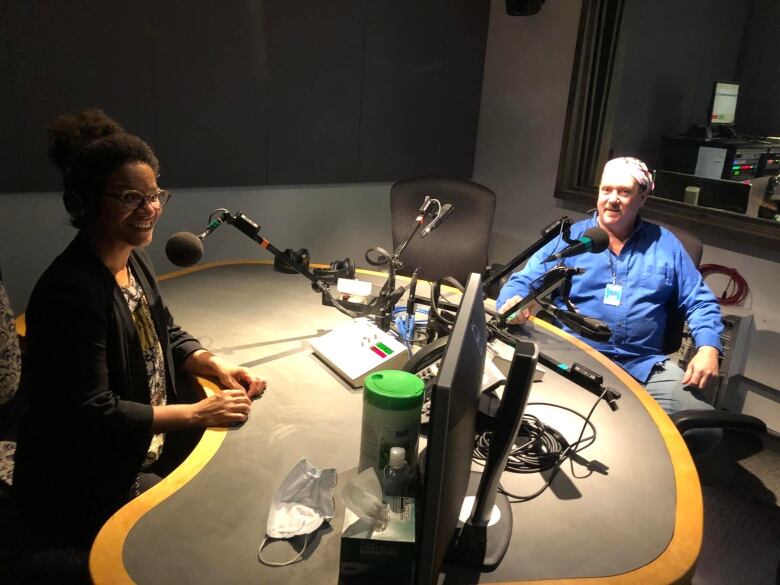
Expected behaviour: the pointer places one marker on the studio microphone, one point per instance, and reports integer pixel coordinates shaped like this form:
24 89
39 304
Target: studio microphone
593 240
588 327
423 209
445 211
186 249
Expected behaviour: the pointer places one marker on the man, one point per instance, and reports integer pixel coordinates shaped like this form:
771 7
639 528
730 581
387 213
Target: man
630 287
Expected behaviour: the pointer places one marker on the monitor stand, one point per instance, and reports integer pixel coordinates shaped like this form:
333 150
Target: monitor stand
481 547
483 534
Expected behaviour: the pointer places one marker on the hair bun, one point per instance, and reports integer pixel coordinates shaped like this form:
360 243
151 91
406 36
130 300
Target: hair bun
70 133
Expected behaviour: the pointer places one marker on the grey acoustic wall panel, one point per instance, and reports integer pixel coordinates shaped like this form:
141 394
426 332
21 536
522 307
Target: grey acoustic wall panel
10 175
315 51
249 92
465 23
401 88
68 56
211 85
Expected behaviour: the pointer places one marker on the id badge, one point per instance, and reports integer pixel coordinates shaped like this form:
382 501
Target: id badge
612 294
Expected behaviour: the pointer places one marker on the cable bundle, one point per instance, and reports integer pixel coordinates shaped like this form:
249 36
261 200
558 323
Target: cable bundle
540 448
545 449
737 288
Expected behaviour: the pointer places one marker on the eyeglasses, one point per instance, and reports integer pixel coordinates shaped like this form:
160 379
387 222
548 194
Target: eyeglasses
133 199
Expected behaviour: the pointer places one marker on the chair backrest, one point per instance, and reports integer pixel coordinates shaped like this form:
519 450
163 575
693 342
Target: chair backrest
675 323
460 245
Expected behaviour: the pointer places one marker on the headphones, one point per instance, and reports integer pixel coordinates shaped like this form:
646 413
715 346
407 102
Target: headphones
337 269
330 275
300 257
74 203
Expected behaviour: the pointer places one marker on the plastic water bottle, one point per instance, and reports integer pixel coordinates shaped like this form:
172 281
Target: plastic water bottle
395 478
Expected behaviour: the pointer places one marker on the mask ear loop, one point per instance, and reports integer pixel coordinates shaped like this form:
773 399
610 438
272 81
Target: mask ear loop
285 563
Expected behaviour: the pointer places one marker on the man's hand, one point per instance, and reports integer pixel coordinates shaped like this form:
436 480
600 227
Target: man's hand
519 317
702 368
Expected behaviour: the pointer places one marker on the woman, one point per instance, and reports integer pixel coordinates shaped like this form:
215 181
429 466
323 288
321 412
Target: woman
103 347
10 357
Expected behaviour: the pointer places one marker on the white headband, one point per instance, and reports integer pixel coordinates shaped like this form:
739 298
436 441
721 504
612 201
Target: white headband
637 169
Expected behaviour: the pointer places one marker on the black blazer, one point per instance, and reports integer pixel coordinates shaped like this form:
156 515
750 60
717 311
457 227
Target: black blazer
82 443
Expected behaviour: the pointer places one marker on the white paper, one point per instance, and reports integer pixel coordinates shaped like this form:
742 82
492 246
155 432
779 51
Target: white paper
710 161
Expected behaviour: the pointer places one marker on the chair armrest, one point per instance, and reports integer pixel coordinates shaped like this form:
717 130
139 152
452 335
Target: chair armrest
495 289
686 420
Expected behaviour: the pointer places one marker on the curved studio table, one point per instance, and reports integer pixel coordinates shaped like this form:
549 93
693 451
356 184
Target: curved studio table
637 521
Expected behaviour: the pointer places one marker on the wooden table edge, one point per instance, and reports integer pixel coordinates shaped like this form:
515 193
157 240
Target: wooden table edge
674 565
677 562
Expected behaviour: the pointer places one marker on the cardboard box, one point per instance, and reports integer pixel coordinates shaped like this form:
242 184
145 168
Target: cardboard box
378 557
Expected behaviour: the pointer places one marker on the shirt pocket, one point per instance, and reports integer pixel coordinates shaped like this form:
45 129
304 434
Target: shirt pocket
656 284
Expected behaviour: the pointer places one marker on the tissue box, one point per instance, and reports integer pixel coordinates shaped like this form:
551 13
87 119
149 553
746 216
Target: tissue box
379 557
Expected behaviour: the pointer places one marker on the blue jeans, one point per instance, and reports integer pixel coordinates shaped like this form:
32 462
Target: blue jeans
665 386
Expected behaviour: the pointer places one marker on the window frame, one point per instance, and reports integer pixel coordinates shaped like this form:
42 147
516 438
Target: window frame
588 132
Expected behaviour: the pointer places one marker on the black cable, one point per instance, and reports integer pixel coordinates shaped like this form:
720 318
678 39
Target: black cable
554 450
434 311
213 213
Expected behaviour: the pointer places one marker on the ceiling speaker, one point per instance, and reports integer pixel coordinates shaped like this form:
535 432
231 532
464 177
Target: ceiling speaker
523 7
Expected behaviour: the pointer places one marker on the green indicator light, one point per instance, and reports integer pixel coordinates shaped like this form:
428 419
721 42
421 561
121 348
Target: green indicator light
384 348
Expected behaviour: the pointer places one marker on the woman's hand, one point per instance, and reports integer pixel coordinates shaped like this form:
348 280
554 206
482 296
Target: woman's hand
204 363
227 407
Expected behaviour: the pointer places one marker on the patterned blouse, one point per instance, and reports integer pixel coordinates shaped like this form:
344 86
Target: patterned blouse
153 355
10 356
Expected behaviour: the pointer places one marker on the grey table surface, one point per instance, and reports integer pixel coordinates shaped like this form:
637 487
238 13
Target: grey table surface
588 524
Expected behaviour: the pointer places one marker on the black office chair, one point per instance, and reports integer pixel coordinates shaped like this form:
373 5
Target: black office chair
460 245
736 526
686 420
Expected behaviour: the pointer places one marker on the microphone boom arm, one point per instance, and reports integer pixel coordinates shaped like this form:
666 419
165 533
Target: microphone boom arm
252 230
560 226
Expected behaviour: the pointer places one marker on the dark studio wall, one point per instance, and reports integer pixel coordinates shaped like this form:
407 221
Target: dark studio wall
758 109
251 92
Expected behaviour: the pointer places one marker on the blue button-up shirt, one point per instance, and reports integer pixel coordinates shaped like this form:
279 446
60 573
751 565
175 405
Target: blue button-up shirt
653 270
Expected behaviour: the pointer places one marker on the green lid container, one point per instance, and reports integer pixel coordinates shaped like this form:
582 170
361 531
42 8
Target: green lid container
393 390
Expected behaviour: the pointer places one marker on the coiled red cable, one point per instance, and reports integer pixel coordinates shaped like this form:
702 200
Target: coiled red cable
737 288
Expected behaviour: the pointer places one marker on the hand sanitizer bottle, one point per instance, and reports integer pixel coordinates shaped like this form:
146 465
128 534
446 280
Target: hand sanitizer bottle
395 478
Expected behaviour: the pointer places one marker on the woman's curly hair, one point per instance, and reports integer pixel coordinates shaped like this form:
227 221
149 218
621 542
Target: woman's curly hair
88 147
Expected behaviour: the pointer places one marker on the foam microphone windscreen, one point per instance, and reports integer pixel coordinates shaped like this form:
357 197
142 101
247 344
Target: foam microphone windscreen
599 237
184 249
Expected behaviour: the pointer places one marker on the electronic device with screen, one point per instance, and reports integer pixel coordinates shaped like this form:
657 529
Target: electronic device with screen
722 109
483 536
477 540
715 193
454 405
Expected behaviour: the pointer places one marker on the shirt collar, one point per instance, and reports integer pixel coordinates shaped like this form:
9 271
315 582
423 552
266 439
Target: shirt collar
639 224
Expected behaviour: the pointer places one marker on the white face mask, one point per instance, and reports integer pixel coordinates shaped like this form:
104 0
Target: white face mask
301 504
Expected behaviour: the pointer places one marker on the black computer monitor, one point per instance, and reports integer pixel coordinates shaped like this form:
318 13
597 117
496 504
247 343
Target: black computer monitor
701 191
454 403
